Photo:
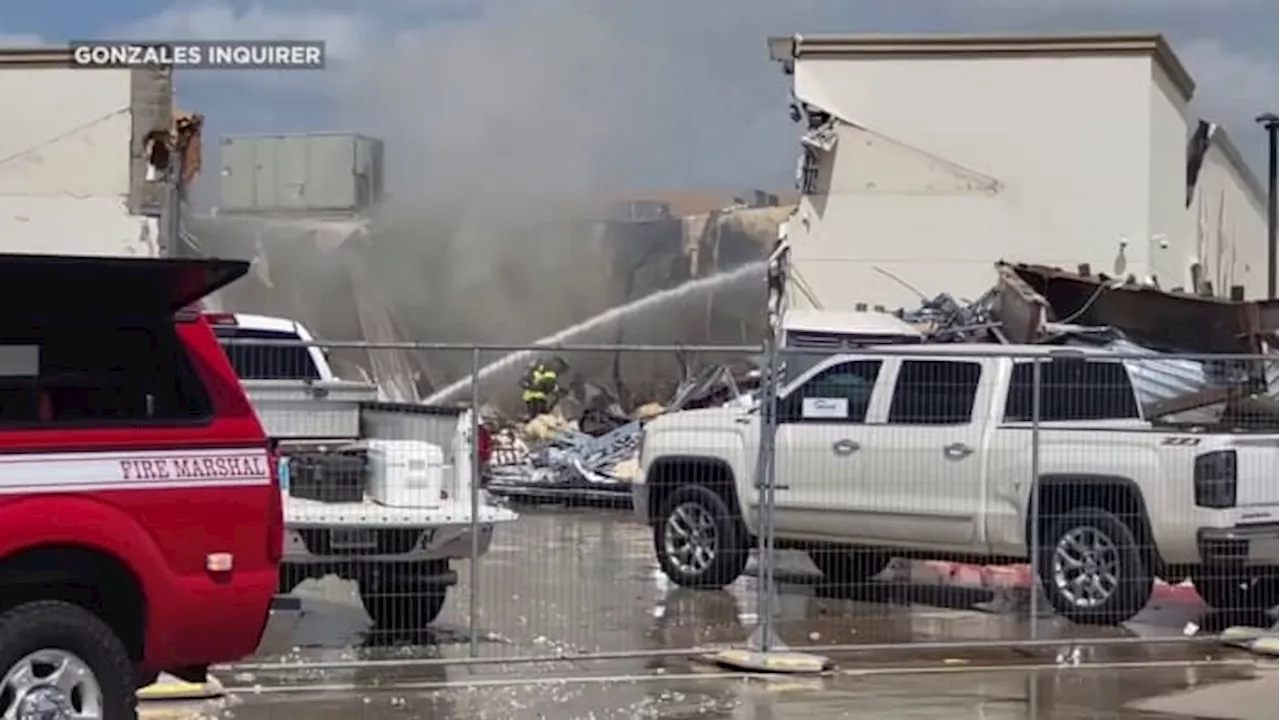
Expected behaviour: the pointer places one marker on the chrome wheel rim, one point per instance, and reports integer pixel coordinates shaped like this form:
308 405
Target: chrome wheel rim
50 684
690 539
1086 567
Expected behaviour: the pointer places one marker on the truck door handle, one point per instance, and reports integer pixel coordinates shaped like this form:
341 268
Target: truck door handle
957 451
844 447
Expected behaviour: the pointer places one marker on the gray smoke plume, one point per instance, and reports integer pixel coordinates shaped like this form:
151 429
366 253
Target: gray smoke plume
508 123
509 131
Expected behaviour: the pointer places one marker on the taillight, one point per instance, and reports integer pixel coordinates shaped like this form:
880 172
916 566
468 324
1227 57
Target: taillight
221 319
1215 480
484 444
275 511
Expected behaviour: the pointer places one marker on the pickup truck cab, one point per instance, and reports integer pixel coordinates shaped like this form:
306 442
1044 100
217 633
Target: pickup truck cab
142 521
918 451
304 361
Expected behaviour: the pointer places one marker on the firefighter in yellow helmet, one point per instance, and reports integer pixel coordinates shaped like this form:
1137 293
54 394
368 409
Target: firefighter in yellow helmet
541 385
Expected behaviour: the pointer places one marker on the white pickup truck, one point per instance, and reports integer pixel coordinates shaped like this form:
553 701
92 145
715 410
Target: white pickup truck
378 492
918 452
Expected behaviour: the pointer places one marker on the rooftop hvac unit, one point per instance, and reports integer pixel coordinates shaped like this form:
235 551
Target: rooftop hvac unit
639 211
305 173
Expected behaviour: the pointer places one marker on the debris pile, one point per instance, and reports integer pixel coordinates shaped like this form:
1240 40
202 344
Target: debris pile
597 455
1037 304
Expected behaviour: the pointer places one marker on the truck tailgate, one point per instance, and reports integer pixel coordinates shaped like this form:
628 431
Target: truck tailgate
291 409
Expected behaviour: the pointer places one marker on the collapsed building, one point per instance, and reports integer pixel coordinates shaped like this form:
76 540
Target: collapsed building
335 252
911 194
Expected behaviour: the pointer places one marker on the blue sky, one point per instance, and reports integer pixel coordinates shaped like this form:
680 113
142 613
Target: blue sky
592 93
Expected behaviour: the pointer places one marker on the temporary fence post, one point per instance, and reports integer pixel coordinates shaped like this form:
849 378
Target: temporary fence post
1033 694
764 638
765 651
473 599
1034 520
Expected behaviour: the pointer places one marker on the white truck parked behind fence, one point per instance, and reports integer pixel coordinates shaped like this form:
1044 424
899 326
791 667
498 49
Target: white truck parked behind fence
403 510
917 452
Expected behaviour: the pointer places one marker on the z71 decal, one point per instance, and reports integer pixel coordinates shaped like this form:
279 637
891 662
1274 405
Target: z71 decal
1180 440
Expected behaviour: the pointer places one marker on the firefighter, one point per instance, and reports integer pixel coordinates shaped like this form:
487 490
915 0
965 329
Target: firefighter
541 386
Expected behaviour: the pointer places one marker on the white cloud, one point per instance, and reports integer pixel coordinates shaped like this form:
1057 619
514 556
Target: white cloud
613 91
1229 85
344 32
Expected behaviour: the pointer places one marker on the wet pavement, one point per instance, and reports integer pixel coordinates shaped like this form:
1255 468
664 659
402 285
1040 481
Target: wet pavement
1077 694
568 583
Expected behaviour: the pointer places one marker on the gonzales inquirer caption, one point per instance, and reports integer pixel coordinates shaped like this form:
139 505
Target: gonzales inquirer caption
200 55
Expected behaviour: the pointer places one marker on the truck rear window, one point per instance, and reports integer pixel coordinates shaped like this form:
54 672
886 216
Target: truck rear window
84 374
268 362
1072 389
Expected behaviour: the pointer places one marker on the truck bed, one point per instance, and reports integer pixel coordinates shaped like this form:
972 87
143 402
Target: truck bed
299 414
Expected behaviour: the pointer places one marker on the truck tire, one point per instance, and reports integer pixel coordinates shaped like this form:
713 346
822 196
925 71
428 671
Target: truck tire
700 542
38 637
1091 568
1250 590
291 576
843 566
410 609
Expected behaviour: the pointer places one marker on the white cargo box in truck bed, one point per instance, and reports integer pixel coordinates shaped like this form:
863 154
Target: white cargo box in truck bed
396 549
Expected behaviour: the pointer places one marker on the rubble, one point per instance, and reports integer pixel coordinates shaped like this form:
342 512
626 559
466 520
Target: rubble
1037 304
550 454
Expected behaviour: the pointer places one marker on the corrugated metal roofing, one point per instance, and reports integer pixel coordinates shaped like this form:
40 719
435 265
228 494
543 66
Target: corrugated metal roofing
1161 379
1170 377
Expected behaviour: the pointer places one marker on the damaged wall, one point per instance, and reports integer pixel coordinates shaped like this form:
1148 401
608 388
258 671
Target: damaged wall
70 160
1227 221
882 210
954 152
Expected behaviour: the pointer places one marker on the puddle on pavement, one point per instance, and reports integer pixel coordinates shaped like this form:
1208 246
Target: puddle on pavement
1069 694
575 583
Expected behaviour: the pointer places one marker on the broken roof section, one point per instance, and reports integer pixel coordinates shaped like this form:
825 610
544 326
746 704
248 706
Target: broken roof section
1208 136
1030 296
1038 304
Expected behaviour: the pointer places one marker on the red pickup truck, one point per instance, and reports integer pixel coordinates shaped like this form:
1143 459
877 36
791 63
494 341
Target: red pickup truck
138 497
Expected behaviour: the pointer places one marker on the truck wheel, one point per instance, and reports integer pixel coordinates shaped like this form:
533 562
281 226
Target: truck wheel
699 541
1091 568
848 566
409 609
59 660
290 577
1251 590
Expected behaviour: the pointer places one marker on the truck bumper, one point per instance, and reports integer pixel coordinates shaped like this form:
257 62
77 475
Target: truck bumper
282 621
315 544
1241 546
